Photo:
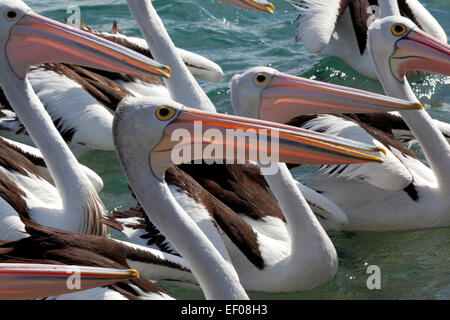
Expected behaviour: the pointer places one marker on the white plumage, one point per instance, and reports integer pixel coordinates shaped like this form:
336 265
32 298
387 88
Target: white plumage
316 23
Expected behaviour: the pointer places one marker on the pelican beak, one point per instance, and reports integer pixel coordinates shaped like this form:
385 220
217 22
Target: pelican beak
35 39
20 281
418 51
254 5
194 135
286 97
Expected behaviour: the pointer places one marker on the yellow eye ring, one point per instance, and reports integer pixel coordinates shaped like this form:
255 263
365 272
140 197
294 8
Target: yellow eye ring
11 14
261 79
398 29
165 113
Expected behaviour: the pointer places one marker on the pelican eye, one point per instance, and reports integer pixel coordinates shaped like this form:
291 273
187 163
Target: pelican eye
11 14
261 79
398 29
165 113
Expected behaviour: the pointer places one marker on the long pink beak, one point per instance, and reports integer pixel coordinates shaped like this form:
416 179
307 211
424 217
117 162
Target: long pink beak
295 145
287 97
35 39
418 51
20 281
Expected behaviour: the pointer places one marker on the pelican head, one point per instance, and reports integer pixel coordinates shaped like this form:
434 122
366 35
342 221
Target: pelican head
30 39
255 5
265 93
158 131
408 48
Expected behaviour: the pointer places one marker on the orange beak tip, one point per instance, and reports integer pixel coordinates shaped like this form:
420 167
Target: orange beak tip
168 72
135 273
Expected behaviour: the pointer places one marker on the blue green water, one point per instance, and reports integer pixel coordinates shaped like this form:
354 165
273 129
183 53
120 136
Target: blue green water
414 265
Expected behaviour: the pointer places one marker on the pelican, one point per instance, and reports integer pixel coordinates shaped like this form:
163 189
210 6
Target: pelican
28 39
429 208
398 43
23 281
147 155
255 255
339 28
264 93
402 193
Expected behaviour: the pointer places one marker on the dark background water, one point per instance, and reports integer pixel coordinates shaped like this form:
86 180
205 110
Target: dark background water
415 264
